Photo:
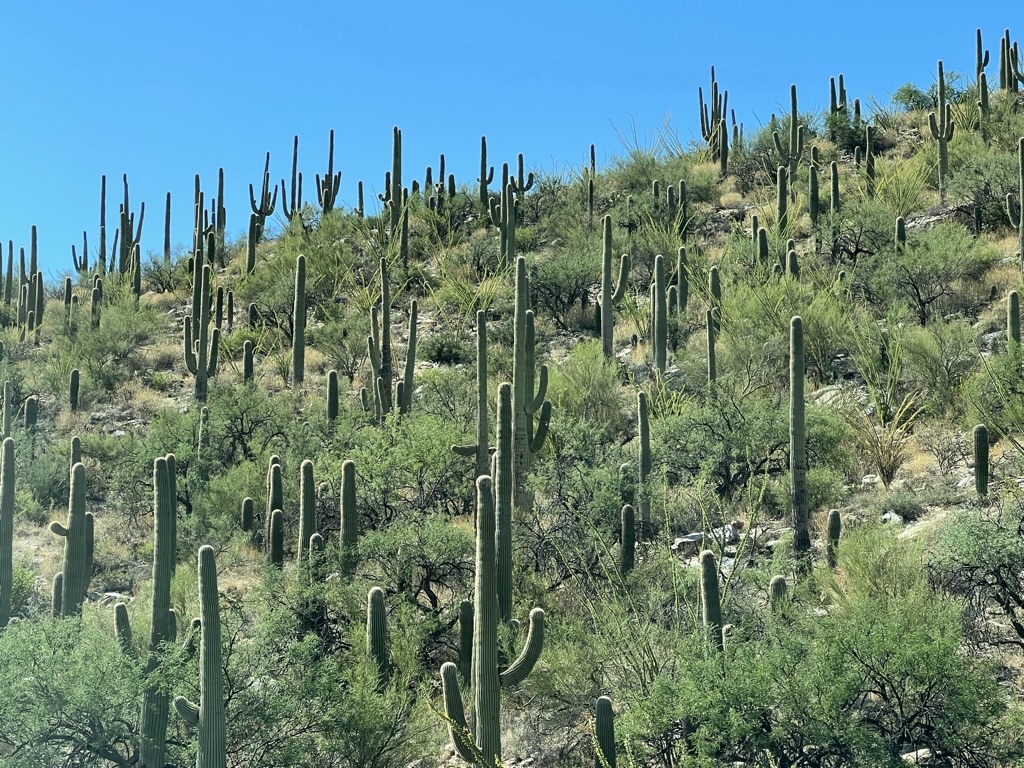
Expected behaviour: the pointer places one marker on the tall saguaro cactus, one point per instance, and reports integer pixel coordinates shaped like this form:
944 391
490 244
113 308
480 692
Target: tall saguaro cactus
525 401
261 210
6 529
487 680
77 547
486 174
208 715
1013 208
299 321
791 153
349 519
307 509
611 292
710 599
798 440
480 449
155 700
941 128
980 435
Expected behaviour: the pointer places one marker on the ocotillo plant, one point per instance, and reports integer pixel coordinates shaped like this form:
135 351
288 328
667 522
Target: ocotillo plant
261 210
604 733
77 566
6 529
349 519
208 715
611 293
307 508
481 448
377 648
299 322
710 600
834 530
327 188
487 680
1013 208
790 154
486 174
981 459
798 441
942 131
155 701
525 401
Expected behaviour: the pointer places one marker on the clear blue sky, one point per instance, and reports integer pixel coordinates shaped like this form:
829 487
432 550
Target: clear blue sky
162 91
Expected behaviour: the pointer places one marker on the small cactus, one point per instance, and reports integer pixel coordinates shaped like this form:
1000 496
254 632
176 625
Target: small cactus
710 601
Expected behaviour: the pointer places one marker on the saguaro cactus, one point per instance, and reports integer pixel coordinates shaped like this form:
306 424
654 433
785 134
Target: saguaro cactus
710 601
790 154
627 539
487 680
981 459
486 174
525 402
327 188
260 211
208 715
777 589
835 529
1013 208
77 557
307 508
798 440
604 730
6 529
611 293
1013 318
155 701
377 648
349 519
941 127
645 463
299 320
480 449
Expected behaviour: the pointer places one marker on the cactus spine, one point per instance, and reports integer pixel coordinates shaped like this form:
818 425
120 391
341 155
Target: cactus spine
299 320
798 440
155 701
941 128
981 459
77 555
6 529
209 714
611 293
710 601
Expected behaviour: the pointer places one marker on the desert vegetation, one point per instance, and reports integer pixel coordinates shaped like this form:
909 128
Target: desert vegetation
710 457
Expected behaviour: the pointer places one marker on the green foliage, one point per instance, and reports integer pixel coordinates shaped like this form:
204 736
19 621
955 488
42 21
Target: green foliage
587 386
